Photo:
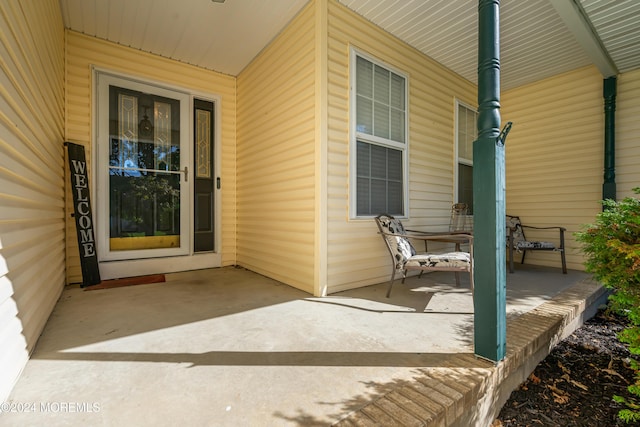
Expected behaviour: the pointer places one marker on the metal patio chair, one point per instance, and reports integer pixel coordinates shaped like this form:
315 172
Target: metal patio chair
516 241
404 256
460 220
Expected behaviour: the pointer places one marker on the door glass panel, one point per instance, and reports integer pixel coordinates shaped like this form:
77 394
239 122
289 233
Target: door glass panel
144 171
203 144
203 231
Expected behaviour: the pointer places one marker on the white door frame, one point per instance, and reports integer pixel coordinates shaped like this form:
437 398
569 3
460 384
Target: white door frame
157 260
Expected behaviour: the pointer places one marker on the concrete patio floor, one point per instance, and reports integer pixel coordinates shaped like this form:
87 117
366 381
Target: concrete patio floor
228 347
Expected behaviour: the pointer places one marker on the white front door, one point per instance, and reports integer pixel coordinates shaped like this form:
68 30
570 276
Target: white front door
152 194
143 196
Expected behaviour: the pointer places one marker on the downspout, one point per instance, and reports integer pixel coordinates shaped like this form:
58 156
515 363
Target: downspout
609 94
489 260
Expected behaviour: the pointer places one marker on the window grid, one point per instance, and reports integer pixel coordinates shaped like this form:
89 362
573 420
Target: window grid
380 103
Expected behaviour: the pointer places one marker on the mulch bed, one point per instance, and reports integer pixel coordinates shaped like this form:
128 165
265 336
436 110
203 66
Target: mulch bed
575 384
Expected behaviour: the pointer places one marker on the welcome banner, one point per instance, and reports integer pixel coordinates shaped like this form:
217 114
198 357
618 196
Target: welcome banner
82 214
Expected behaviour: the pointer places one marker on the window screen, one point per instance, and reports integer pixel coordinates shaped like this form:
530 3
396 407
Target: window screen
381 123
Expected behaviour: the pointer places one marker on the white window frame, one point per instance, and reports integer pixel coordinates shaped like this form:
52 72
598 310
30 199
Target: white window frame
356 136
457 160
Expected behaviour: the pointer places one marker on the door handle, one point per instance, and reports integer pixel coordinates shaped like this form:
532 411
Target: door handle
186 174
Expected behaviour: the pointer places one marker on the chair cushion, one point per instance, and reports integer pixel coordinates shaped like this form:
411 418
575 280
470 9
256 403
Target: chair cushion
520 243
401 247
525 244
461 260
513 223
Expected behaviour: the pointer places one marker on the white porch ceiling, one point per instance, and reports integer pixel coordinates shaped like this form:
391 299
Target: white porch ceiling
539 38
224 37
617 23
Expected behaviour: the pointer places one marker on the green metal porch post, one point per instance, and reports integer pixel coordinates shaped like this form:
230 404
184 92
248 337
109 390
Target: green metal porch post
490 329
609 93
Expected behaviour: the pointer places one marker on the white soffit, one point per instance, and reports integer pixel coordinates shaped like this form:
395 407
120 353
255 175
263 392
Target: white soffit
535 43
617 24
224 37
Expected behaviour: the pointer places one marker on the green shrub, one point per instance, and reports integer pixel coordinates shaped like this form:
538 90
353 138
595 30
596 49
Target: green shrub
612 249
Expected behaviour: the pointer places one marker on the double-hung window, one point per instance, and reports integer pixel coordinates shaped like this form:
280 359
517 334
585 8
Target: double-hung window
379 138
466 118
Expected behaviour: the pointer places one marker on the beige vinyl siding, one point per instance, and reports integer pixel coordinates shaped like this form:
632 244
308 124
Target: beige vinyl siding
276 157
555 155
628 134
32 249
83 52
356 254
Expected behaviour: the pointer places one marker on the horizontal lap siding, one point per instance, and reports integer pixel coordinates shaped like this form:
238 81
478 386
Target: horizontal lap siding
356 254
554 157
628 134
32 249
82 53
276 157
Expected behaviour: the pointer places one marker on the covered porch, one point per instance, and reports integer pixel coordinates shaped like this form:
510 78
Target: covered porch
231 347
222 349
